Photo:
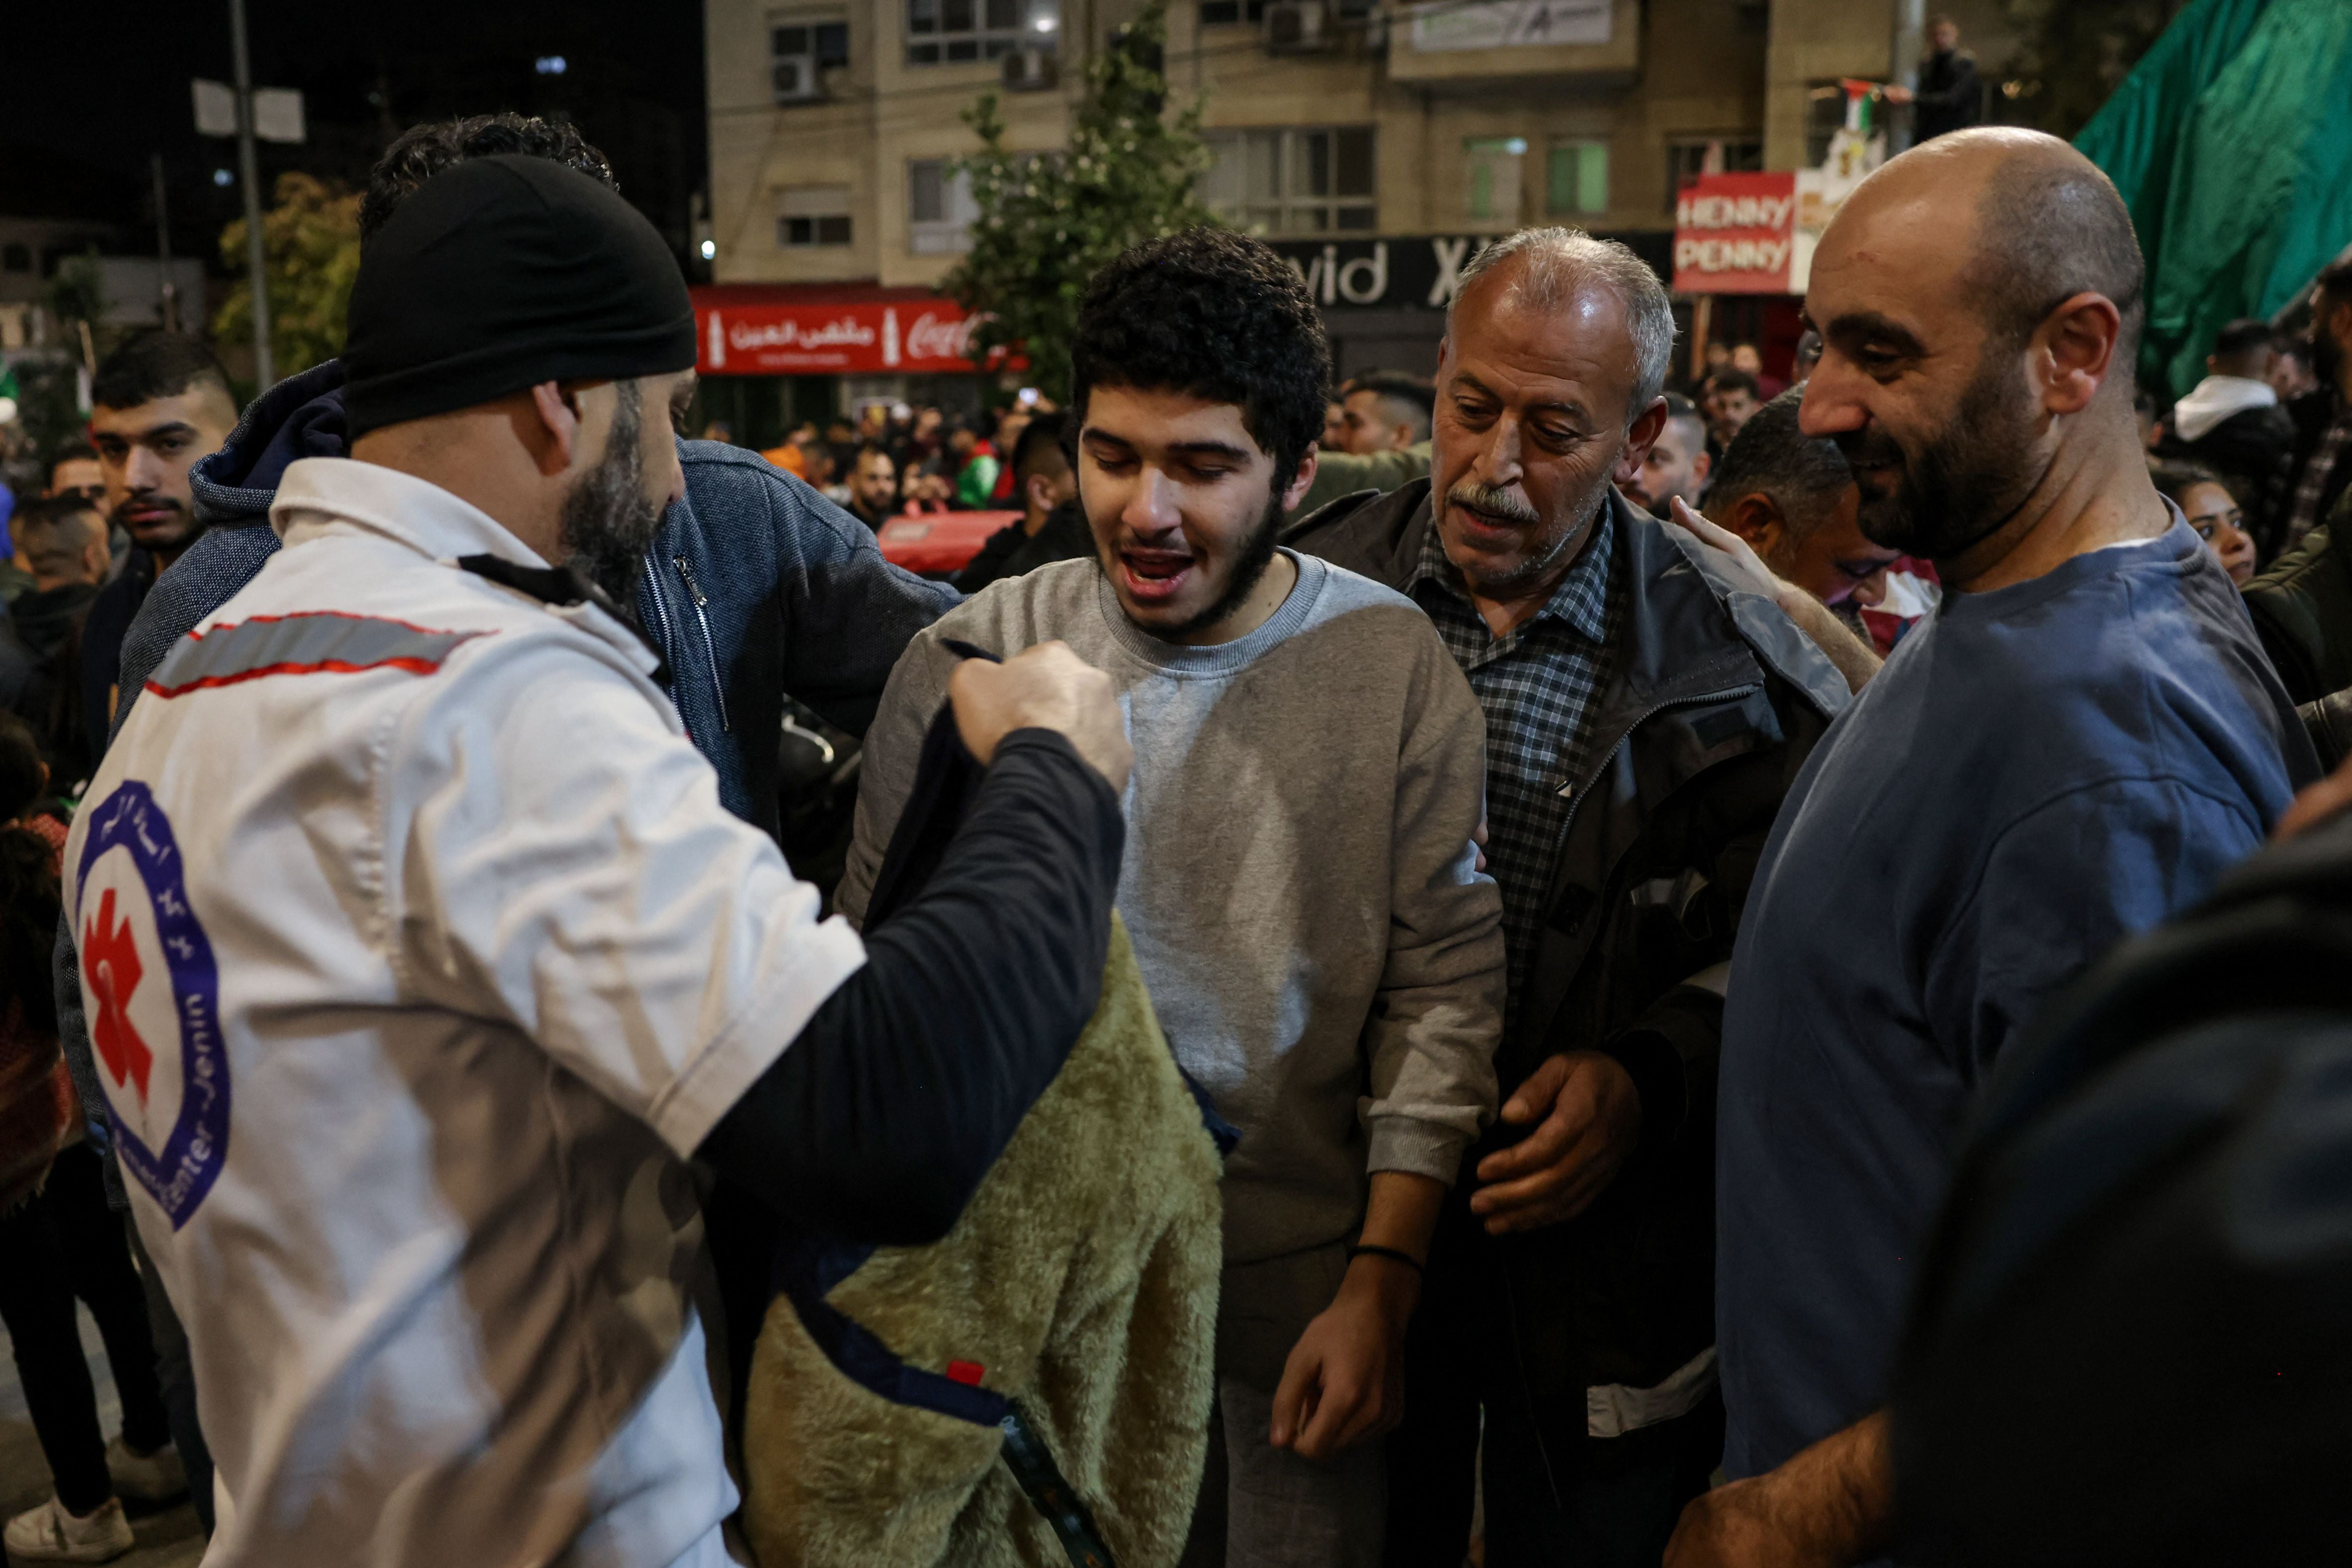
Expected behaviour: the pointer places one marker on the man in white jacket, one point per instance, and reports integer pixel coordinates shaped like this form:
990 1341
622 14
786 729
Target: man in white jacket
2231 422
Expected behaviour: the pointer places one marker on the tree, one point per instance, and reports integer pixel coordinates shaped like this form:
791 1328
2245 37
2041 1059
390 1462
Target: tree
1048 224
311 237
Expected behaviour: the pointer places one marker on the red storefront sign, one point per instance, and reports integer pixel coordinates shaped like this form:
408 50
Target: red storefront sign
1735 234
784 331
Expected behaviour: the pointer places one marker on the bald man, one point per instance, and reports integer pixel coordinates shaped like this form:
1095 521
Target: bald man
2077 743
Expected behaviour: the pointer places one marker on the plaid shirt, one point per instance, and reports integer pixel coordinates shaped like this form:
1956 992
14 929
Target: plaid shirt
1537 685
2312 488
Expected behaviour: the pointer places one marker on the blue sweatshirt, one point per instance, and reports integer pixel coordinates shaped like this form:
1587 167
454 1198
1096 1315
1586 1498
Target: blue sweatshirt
2038 772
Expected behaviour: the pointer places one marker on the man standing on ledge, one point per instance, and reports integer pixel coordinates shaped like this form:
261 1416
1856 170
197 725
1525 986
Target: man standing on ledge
420 953
2075 744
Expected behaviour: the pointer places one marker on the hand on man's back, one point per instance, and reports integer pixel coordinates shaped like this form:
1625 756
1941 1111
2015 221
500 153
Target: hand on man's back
1043 688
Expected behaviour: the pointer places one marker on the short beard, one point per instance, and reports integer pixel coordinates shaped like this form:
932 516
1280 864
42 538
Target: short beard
1967 481
1249 569
607 524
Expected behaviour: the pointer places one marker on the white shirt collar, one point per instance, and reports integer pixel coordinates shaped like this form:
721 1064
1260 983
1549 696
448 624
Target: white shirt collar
417 512
317 491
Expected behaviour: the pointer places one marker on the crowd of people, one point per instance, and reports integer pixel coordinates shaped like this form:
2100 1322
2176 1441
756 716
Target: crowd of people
1576 852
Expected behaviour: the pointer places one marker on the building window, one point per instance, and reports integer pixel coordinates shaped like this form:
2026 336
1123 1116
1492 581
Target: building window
940 208
1293 182
17 258
1490 184
1576 179
799 52
1226 13
949 32
1688 158
813 215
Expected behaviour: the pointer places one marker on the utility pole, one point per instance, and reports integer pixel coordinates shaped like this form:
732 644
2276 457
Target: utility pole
249 170
163 248
1910 39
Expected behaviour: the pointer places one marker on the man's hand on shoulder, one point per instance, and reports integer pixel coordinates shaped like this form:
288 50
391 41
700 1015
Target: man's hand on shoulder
1043 688
1588 1116
1855 659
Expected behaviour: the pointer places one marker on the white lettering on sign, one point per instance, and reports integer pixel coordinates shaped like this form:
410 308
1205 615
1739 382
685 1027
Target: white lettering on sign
1734 212
717 340
938 337
791 333
1365 280
1451 254
1730 255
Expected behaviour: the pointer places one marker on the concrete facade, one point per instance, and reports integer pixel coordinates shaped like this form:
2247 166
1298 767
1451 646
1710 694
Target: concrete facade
1590 124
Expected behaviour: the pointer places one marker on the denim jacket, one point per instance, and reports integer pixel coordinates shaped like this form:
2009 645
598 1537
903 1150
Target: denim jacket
755 586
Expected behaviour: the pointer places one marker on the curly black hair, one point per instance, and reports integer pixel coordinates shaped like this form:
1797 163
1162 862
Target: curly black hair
1220 316
421 152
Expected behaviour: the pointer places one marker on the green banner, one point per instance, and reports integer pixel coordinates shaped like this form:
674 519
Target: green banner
2232 143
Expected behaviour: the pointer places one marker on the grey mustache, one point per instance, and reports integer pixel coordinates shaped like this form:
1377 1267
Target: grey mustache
1493 502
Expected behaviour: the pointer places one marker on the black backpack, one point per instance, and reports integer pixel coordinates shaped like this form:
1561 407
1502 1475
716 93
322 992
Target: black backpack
2131 1341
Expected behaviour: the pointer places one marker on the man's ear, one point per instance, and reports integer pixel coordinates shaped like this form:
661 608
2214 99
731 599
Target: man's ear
558 432
1639 437
1038 490
1702 465
1297 491
2073 351
1756 519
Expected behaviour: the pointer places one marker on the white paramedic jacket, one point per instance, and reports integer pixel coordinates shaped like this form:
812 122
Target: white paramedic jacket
418 953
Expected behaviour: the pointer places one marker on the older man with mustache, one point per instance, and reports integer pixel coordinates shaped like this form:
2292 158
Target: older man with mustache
1647 700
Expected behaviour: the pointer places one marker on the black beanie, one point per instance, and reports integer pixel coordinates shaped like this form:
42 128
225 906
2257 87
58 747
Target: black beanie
498 274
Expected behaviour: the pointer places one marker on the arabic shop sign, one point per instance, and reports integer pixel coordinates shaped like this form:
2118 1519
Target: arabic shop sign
832 338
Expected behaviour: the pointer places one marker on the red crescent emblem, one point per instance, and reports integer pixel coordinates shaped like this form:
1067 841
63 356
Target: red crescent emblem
109 966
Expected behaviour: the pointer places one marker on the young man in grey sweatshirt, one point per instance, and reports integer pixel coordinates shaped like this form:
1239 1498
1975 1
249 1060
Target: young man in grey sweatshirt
1300 884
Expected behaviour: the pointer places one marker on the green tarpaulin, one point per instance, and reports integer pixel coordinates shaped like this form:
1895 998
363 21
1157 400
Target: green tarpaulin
2232 143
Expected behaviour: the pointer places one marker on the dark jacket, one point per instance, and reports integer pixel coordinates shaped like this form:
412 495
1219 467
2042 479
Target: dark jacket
2311 413
105 627
1952 96
2245 450
1711 703
40 673
755 586
1009 552
2302 609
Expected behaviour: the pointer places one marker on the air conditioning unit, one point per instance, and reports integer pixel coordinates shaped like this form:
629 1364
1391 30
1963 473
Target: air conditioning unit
1300 27
797 79
1031 71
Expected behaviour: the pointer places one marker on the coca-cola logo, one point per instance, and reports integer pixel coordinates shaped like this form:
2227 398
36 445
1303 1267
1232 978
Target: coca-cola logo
841 331
938 337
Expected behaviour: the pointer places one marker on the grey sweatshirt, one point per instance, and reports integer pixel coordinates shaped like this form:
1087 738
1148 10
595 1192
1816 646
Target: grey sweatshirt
1299 885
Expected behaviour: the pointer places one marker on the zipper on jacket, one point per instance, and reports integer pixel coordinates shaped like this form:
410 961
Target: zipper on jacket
1644 716
669 640
710 649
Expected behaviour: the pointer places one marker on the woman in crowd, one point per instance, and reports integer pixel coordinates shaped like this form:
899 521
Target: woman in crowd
2212 511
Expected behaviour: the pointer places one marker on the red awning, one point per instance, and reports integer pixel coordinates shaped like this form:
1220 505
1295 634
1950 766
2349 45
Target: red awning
827 329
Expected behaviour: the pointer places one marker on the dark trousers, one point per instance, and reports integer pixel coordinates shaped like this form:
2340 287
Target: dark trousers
175 1374
1554 1498
65 1244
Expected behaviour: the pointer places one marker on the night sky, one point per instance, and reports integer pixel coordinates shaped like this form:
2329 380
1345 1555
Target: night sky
97 88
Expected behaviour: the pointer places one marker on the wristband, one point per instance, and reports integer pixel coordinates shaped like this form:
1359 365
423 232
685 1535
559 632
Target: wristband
1362 1249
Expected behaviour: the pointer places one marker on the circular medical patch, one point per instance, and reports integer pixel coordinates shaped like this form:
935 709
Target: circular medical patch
152 992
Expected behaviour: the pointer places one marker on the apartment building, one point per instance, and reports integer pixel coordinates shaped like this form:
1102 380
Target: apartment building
1375 145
